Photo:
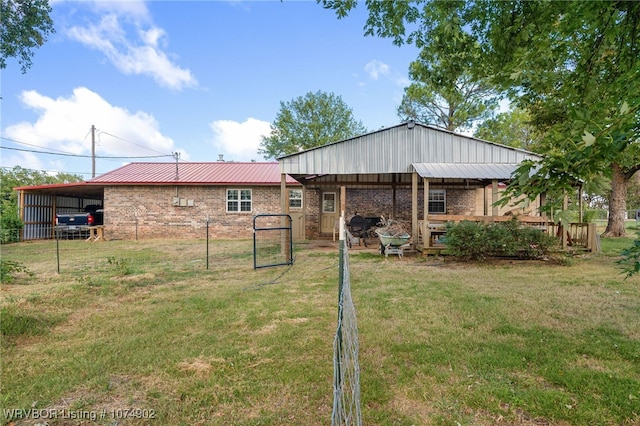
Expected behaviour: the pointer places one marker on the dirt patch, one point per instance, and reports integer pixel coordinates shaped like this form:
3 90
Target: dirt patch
197 366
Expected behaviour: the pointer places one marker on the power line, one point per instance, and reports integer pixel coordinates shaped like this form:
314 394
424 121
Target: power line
30 144
128 141
85 156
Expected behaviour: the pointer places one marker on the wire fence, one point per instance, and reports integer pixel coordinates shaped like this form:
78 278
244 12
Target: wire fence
346 368
81 254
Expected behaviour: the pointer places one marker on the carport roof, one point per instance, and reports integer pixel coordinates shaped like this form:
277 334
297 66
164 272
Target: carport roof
75 189
465 171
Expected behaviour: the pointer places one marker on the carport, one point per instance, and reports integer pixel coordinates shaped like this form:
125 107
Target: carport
39 205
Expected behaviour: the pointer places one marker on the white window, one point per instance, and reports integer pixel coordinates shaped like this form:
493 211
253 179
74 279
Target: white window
437 201
295 199
239 200
329 202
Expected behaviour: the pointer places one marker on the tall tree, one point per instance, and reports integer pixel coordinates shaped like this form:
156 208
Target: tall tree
511 128
309 121
445 90
24 26
455 107
573 65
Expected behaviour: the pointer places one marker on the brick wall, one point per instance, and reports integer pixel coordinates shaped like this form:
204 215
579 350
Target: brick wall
377 202
152 209
312 213
157 217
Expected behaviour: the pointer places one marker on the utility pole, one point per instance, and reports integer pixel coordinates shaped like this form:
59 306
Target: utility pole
93 151
176 155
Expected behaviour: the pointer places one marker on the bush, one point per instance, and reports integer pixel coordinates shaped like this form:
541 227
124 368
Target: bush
9 269
477 241
10 223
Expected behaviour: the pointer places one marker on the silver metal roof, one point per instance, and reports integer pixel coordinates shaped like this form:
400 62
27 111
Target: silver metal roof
395 149
465 171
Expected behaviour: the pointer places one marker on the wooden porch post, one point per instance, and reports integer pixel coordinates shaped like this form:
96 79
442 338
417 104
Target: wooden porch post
494 198
426 232
414 207
284 207
283 193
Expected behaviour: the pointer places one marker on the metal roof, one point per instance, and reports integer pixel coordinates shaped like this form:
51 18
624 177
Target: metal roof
465 171
75 189
194 173
395 149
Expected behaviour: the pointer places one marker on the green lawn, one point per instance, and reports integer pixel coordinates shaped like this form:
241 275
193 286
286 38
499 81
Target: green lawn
143 329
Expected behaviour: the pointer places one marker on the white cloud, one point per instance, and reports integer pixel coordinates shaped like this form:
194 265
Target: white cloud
139 52
376 68
26 160
64 125
239 141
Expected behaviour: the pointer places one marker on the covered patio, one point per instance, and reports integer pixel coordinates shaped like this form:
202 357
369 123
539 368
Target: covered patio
421 174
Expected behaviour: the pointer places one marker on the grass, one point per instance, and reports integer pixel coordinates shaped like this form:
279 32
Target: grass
145 326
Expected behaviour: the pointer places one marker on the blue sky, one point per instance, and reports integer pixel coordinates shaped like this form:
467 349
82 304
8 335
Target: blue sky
202 78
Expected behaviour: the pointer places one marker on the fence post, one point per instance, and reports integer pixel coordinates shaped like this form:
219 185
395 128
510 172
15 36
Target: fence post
57 249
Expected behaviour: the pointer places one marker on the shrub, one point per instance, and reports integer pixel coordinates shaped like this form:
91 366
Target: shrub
10 223
9 269
476 241
467 239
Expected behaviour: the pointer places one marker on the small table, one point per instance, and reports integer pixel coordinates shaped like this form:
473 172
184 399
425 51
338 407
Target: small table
96 233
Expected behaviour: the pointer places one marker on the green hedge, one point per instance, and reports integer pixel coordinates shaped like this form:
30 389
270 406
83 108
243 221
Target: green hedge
477 241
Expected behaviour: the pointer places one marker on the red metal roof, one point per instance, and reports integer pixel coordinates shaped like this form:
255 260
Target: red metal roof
194 173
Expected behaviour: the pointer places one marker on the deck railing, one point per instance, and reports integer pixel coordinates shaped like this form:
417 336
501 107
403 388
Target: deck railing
582 236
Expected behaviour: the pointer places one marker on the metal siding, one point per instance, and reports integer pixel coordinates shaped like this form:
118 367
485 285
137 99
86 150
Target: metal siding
392 150
38 216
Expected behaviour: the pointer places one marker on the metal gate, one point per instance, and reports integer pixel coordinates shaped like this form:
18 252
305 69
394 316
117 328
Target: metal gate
272 240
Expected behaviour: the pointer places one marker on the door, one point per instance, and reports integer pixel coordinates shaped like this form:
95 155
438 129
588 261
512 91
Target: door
329 213
297 225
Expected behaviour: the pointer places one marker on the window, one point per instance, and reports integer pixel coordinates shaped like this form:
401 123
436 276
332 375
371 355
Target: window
239 200
295 198
329 202
437 201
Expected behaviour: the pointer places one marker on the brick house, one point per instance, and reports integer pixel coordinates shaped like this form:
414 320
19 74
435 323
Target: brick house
176 200
409 172
158 200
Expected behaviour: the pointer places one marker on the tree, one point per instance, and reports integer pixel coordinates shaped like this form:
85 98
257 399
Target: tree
445 92
511 128
9 215
574 66
309 121
25 25
452 108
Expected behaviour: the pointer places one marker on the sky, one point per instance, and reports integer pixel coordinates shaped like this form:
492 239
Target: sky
203 79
